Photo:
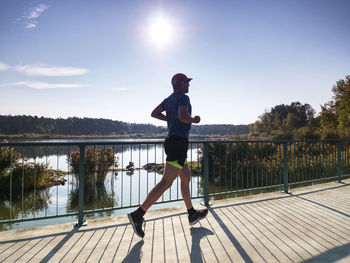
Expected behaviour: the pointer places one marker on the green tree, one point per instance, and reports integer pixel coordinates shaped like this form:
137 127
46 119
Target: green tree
328 115
341 98
97 163
335 115
291 121
283 119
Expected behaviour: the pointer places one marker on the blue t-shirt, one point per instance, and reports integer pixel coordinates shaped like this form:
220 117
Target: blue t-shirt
171 106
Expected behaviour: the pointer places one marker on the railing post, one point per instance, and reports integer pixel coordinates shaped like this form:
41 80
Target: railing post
206 174
285 167
81 185
339 161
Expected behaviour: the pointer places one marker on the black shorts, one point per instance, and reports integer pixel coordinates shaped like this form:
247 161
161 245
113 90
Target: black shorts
176 150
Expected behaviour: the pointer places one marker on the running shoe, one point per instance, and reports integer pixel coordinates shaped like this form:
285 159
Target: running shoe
137 223
198 215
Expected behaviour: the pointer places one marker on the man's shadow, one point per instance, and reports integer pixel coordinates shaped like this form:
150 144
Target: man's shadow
197 234
135 253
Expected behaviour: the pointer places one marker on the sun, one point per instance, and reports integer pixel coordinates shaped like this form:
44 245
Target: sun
160 31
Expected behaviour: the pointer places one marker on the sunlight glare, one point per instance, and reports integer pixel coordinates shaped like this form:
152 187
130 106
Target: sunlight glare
160 31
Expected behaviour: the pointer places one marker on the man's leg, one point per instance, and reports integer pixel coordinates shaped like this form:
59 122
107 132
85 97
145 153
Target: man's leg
170 173
185 176
136 217
193 215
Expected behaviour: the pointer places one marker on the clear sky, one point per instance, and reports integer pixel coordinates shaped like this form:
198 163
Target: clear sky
114 59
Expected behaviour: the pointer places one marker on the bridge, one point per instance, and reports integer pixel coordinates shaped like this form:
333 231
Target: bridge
308 224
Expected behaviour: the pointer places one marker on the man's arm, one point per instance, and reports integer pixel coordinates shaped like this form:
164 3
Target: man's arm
185 117
157 113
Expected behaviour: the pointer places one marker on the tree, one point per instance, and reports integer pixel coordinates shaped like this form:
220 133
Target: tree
284 119
335 115
341 98
291 122
328 115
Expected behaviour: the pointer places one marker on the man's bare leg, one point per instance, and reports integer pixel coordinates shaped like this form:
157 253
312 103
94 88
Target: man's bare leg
170 173
185 176
193 215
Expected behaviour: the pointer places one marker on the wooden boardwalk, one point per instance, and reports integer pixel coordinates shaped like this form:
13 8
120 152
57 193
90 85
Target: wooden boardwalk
312 224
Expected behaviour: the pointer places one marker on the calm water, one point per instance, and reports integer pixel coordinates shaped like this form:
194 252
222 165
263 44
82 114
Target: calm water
120 189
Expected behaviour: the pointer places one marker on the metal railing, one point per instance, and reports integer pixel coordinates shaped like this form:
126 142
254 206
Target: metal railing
233 167
42 180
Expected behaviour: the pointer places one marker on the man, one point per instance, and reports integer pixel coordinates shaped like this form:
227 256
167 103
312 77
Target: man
178 117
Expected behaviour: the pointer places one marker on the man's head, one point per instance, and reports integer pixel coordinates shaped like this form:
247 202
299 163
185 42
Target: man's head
180 83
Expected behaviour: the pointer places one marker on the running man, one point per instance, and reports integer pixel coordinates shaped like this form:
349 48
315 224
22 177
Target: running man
178 117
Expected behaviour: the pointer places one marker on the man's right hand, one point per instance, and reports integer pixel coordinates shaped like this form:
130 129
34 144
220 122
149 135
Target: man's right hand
197 119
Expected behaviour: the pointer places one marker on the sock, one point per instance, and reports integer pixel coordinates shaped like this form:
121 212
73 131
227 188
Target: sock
191 211
139 212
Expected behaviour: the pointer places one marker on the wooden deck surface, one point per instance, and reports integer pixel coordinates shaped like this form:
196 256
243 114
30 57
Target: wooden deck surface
312 224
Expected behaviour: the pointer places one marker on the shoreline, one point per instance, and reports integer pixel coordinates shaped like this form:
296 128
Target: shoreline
127 136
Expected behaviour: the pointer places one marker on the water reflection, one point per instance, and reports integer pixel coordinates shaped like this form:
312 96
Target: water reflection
42 151
22 205
96 196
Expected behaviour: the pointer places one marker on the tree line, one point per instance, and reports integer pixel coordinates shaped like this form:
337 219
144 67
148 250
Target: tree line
71 126
23 124
298 121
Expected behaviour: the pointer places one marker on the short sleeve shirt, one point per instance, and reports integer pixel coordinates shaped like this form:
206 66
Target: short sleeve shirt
171 106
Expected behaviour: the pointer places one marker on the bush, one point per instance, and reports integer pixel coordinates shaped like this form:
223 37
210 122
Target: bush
283 136
329 133
97 162
345 133
7 157
236 159
305 133
32 175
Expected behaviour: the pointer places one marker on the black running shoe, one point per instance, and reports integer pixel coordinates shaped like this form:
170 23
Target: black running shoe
136 223
198 215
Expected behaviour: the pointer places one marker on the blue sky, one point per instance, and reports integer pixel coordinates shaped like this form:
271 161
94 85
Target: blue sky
97 58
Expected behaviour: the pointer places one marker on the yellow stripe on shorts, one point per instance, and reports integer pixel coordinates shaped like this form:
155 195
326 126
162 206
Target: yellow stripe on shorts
174 163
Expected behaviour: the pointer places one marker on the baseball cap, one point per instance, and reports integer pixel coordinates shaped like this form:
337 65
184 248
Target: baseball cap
177 78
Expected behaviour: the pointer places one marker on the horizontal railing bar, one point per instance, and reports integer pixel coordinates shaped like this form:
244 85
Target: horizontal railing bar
270 141
246 190
319 179
85 143
271 186
113 142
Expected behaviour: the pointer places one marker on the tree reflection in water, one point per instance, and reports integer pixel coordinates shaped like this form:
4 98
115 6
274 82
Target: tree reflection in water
95 197
33 204
97 163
